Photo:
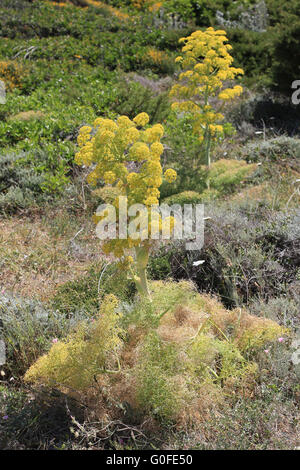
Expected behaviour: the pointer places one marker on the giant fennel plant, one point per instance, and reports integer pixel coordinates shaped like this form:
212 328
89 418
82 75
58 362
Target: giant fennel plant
206 68
126 156
174 366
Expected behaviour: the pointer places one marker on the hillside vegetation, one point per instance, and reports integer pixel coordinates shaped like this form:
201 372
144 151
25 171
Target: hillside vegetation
204 354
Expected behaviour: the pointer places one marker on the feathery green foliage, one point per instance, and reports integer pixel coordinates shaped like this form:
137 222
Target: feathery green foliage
179 351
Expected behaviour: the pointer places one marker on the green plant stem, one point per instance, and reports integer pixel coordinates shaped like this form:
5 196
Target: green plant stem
143 283
207 138
142 257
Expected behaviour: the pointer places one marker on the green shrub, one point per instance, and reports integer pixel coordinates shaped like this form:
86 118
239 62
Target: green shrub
159 393
285 39
159 267
27 328
183 8
249 252
189 354
253 52
182 152
273 150
225 175
186 197
20 186
85 293
133 98
222 178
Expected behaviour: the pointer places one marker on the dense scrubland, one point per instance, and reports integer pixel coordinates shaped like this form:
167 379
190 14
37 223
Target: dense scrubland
210 362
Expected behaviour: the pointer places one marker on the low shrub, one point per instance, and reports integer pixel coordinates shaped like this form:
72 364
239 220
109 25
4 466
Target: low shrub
280 309
74 362
28 419
173 358
278 149
12 74
20 185
133 98
85 293
222 178
27 328
186 197
248 252
157 60
268 114
225 175
264 422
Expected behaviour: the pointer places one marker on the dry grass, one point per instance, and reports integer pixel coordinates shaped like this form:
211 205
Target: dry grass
281 190
27 116
38 254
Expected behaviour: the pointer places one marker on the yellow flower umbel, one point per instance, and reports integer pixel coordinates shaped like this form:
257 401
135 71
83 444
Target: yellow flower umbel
126 156
206 65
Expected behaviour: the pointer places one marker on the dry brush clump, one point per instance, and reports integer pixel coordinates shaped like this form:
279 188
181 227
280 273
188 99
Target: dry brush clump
172 360
250 252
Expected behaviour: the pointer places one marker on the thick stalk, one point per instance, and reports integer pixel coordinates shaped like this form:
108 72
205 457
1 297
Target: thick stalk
207 138
142 257
142 283
207 154
207 147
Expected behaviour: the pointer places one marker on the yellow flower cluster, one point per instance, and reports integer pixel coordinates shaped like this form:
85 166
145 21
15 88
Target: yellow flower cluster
151 5
178 359
206 64
127 155
156 56
11 73
170 175
97 4
141 119
113 11
156 59
59 4
76 360
230 93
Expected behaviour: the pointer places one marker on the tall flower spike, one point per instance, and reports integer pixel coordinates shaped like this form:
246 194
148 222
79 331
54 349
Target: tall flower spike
126 156
206 64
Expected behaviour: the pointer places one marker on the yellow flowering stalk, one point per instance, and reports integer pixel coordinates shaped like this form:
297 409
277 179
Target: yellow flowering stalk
113 11
126 156
151 5
206 65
